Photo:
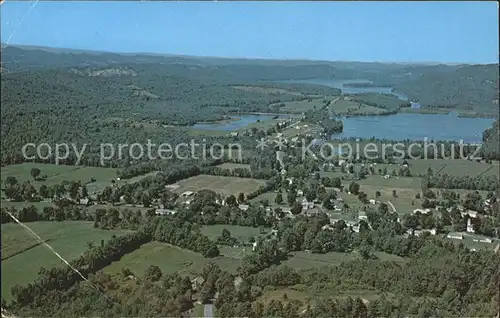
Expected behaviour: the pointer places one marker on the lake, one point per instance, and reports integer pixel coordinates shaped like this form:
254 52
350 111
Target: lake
416 127
239 122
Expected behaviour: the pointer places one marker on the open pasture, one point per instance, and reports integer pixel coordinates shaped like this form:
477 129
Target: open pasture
23 255
219 184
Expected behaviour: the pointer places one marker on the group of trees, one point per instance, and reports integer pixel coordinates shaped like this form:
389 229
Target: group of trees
26 191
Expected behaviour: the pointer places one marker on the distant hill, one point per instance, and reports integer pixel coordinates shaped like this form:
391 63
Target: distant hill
461 87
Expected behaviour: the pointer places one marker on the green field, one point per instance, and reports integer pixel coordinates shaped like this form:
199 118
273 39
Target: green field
378 100
224 185
170 259
355 108
453 167
22 255
298 107
56 174
243 233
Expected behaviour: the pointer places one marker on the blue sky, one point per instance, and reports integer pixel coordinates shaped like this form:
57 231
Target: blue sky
362 31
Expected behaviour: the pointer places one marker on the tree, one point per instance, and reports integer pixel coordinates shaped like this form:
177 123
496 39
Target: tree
354 188
241 197
231 200
85 192
146 200
35 172
44 191
10 181
279 198
153 273
327 203
296 208
291 197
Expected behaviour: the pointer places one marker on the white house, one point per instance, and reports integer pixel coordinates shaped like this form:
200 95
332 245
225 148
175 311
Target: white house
470 228
372 201
243 207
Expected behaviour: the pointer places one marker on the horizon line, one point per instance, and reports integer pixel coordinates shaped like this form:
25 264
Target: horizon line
285 59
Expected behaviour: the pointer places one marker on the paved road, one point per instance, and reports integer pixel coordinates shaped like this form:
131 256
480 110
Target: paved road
208 311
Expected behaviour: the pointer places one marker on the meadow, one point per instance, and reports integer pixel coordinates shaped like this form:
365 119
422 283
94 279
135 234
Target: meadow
242 233
219 184
23 255
56 174
354 108
298 107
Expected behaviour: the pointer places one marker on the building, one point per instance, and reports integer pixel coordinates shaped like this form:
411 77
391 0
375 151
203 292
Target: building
470 227
187 194
243 207
164 212
372 201
415 105
422 211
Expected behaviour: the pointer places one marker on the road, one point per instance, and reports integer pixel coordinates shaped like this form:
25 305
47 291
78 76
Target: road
392 206
208 311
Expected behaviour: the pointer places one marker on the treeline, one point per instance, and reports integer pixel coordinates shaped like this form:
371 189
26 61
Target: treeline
446 181
58 279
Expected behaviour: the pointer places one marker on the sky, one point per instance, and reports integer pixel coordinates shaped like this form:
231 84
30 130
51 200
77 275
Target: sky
464 32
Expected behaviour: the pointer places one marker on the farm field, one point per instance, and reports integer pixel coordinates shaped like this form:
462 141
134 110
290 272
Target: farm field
301 106
392 182
354 108
170 259
224 185
231 166
56 174
22 255
242 233
380 100
453 167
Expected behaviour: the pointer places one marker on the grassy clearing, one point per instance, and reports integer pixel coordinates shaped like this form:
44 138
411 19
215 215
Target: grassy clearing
298 107
406 190
267 90
170 259
232 166
56 174
224 185
393 182
355 108
301 293
378 100
25 255
271 196
306 260
453 167
242 233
